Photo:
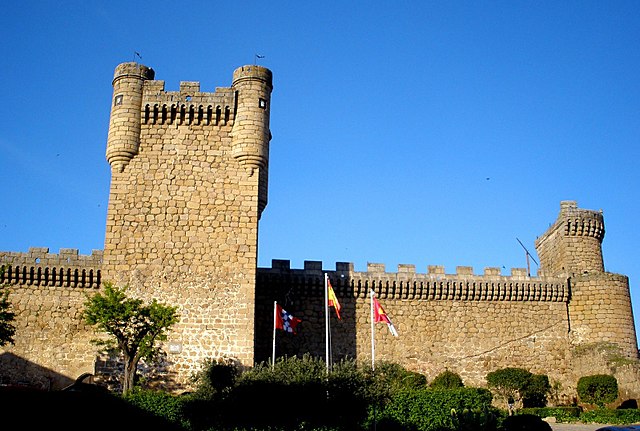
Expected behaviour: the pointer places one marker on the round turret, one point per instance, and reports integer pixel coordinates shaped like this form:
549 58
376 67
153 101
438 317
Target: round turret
251 134
573 245
124 125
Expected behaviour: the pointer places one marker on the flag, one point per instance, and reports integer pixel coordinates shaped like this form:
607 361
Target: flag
379 315
333 300
286 321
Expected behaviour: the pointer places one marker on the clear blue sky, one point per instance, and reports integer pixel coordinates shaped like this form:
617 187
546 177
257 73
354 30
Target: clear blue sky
429 133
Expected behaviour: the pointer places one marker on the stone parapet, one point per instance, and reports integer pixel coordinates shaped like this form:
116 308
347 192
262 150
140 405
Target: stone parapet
407 284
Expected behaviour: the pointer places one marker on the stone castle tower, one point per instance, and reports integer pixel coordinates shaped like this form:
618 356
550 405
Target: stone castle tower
189 180
600 303
188 185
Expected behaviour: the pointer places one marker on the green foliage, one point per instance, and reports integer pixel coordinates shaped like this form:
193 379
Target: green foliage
447 380
508 382
217 377
134 326
438 410
7 317
611 416
534 393
520 385
160 404
562 414
298 393
389 378
293 393
598 389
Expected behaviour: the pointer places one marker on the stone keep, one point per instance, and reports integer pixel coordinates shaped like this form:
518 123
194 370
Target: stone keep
189 173
188 185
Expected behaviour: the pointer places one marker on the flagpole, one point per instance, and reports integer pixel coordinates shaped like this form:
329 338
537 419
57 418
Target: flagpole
326 320
273 354
373 342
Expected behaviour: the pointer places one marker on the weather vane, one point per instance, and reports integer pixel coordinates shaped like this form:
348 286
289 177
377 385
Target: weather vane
255 60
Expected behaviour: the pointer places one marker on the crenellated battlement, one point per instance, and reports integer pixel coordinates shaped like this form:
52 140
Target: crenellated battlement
408 284
40 268
189 106
573 244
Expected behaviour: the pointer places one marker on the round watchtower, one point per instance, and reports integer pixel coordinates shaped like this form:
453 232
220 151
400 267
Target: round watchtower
251 134
573 244
124 125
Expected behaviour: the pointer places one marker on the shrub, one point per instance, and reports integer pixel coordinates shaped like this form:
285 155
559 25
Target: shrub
160 404
535 390
447 380
216 377
521 385
438 410
611 416
598 389
562 414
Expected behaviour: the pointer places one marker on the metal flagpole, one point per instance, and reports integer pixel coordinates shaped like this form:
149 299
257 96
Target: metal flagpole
326 320
273 354
373 342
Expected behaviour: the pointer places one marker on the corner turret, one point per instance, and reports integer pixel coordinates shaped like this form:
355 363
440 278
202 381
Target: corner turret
124 124
573 244
251 134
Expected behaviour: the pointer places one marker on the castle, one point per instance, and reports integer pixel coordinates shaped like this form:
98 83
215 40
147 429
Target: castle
189 181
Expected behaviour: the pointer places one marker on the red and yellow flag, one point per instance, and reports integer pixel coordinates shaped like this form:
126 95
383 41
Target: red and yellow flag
379 315
332 299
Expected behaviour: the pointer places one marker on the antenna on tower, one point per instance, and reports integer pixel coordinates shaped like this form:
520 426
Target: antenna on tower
528 256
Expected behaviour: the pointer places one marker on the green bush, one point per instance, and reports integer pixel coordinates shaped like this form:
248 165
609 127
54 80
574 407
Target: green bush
611 416
447 380
216 377
562 414
437 410
160 404
534 393
598 389
521 385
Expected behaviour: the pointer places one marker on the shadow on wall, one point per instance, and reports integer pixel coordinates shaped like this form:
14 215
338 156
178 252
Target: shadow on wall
19 373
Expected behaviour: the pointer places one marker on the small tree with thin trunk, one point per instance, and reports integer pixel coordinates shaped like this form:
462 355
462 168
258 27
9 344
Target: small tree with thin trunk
134 326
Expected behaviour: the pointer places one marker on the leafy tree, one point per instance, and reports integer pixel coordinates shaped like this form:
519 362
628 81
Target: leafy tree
447 380
534 393
509 382
598 389
520 385
7 329
135 326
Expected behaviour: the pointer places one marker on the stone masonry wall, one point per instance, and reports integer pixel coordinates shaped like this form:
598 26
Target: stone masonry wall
467 323
47 292
182 224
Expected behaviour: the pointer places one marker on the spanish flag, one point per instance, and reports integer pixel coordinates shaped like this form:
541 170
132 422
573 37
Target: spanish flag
332 299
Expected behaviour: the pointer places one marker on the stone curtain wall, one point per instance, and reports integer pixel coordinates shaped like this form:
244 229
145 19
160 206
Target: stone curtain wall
470 324
47 292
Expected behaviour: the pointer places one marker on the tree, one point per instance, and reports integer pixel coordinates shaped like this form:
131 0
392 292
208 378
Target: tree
598 389
135 326
7 329
447 380
520 386
509 382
